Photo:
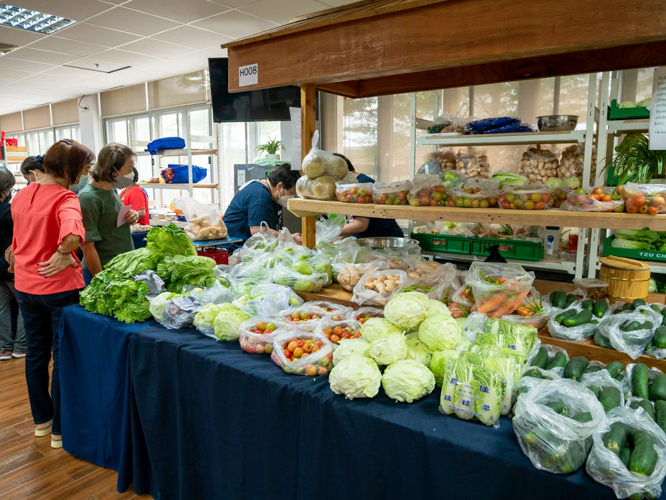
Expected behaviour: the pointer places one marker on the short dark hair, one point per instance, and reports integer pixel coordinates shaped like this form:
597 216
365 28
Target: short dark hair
111 158
285 175
66 159
136 174
7 180
32 163
349 164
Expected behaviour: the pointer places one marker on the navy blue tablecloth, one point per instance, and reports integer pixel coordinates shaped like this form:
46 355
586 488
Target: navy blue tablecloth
95 389
213 422
139 239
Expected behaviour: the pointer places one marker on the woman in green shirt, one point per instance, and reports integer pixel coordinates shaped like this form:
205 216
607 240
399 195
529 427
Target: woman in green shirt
100 206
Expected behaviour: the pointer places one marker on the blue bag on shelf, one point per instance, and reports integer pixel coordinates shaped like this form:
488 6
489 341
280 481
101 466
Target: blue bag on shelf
180 174
513 128
488 124
165 143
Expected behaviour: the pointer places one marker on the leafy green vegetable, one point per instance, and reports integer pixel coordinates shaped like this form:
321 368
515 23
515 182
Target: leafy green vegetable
506 368
637 245
440 362
170 240
227 323
488 387
644 235
374 328
510 178
135 262
355 377
351 347
465 391
407 310
417 350
439 332
112 294
158 304
388 349
407 381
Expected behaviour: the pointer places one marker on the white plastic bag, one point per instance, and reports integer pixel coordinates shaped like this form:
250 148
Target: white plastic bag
319 162
632 343
379 287
321 188
203 222
602 380
259 342
553 442
606 468
573 333
335 331
308 316
315 363
268 299
362 314
348 275
329 229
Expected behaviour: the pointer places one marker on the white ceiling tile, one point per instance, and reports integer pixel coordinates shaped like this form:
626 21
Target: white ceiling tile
30 66
283 12
132 21
156 48
125 58
83 32
236 24
232 3
214 51
13 74
190 36
39 82
79 74
15 36
71 9
178 10
43 56
97 65
3 81
65 46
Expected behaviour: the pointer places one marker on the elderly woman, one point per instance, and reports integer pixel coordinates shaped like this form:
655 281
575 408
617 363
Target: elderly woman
100 206
48 229
10 346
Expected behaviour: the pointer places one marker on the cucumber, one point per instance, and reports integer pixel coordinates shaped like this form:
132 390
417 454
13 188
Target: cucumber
541 358
625 456
663 321
647 325
588 304
627 307
610 398
646 405
563 315
571 298
658 388
600 307
595 390
660 337
638 302
575 366
643 457
614 368
639 381
557 407
582 318
583 417
560 299
620 377
592 369
655 308
534 372
660 410
559 361
630 327
648 346
602 341
616 438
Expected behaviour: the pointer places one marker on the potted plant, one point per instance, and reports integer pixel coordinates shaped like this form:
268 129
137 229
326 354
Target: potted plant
635 162
271 148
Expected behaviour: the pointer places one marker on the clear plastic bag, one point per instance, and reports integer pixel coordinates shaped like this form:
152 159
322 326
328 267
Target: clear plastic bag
179 313
203 222
392 193
553 442
592 287
321 188
474 197
335 331
286 276
261 240
379 287
529 197
539 165
572 161
452 178
473 163
315 363
552 350
348 275
363 314
573 333
329 229
579 201
437 161
431 278
427 191
360 192
498 289
214 294
606 468
307 317
441 124
268 299
319 162
257 336
538 319
644 198
632 343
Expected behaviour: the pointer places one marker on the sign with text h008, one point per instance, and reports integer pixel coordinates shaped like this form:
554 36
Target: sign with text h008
248 75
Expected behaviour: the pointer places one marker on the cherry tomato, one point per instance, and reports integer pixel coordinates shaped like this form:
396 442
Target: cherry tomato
261 326
311 370
267 331
287 353
598 191
606 198
307 348
298 352
271 326
259 349
328 330
356 335
632 209
345 335
322 371
301 343
292 346
653 211
337 330
657 201
335 339
643 209
639 200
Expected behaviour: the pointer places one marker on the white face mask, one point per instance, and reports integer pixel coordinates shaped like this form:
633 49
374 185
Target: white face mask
282 200
123 181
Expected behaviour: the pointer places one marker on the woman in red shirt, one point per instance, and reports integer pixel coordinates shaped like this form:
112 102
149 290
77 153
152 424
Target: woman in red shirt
135 198
48 228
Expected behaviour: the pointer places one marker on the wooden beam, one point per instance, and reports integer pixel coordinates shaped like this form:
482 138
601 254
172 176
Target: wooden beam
308 123
477 32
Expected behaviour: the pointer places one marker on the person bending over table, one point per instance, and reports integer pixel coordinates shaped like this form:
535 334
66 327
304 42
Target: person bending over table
135 196
48 228
368 227
100 206
261 201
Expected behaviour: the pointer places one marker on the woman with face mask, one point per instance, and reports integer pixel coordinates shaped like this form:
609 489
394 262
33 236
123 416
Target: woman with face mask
48 229
100 206
32 168
261 201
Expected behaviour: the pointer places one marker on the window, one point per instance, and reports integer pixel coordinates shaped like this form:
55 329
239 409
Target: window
39 142
360 134
69 132
233 142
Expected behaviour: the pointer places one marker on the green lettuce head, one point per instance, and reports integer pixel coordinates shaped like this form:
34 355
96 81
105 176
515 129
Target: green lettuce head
355 377
158 304
439 332
407 381
388 349
407 310
377 327
227 323
439 363
207 314
351 347
416 350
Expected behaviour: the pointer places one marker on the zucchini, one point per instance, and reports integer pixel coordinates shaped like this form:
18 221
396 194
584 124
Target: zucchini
592 369
647 325
614 368
582 318
660 337
655 308
541 358
660 410
646 405
630 327
620 377
610 398
595 390
588 304
600 307
639 381
557 407
571 298
559 361
563 315
658 388
648 346
583 417
643 457
627 307
616 438
625 456
602 341
638 302
533 372
560 299
574 368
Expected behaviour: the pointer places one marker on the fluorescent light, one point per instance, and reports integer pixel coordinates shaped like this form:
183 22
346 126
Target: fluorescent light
31 20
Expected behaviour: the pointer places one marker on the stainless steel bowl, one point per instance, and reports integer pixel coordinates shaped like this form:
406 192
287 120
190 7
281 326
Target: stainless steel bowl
387 242
557 123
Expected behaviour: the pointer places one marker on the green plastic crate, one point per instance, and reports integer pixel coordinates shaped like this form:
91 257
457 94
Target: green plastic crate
444 243
632 253
616 113
509 249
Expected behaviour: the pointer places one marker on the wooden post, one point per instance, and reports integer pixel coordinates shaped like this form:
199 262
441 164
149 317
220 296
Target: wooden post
308 102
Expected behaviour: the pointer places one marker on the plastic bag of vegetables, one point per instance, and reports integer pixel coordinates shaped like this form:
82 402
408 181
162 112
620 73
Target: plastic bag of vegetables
355 377
319 162
379 287
349 274
628 331
177 312
407 380
256 335
303 353
498 288
554 422
628 454
286 276
574 333
363 314
220 321
268 299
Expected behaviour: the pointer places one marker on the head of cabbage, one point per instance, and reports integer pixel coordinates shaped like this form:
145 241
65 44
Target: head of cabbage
374 328
227 323
351 347
437 307
388 349
407 381
416 350
158 304
355 377
439 332
407 310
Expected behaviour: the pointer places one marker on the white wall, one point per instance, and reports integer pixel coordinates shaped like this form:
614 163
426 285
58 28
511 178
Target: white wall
90 123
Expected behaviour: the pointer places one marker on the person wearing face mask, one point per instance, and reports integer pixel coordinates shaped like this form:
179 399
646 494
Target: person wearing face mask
32 168
135 196
10 346
48 228
100 206
261 201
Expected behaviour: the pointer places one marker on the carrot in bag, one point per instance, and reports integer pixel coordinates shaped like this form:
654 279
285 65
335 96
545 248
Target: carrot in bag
510 305
494 302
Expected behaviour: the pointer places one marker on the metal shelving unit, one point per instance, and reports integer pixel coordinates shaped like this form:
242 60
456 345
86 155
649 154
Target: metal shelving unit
501 139
565 266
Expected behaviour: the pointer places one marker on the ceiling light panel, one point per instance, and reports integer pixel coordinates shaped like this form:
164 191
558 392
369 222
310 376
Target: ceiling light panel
31 20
